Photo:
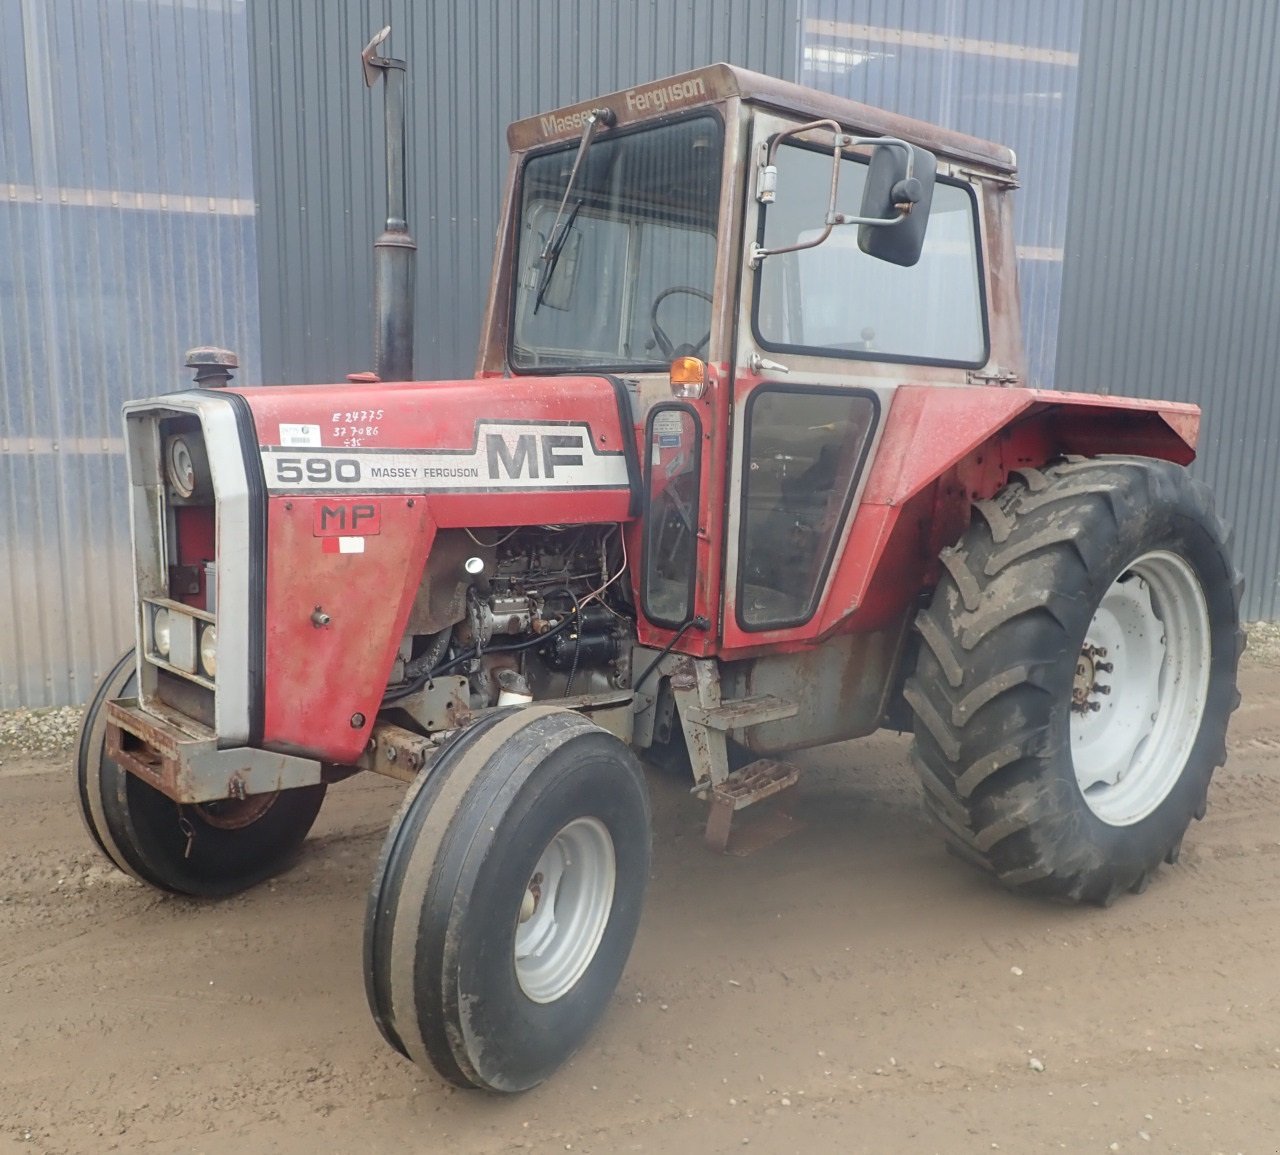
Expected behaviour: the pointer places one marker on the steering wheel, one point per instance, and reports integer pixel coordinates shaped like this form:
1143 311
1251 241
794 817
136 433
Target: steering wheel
669 348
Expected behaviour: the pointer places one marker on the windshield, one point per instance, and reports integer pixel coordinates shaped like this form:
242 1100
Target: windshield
632 279
836 299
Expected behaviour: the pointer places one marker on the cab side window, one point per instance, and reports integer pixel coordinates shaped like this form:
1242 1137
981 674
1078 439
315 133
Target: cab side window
834 300
671 519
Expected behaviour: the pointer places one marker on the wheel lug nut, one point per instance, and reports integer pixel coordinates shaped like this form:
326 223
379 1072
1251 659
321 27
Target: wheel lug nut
1095 706
1101 689
1103 667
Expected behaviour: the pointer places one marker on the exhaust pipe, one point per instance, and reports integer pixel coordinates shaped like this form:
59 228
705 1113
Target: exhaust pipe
394 251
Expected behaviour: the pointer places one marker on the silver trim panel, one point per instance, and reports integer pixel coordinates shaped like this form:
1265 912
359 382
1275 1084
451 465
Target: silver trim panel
148 517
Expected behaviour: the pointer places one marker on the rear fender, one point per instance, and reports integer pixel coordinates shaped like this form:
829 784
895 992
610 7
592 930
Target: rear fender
943 449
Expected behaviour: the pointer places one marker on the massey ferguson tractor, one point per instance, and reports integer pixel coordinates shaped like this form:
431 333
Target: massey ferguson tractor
747 465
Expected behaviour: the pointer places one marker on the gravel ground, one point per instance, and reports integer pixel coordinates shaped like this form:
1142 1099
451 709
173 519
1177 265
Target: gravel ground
1264 643
53 729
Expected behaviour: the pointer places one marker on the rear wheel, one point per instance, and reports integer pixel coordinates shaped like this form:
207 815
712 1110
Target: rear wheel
1076 676
210 849
507 898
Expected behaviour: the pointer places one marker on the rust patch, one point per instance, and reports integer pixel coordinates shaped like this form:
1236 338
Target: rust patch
144 750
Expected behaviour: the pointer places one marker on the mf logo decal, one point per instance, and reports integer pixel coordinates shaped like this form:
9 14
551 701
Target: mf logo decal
505 456
532 450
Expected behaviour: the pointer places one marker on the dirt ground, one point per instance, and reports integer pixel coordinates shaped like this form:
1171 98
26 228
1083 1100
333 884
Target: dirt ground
850 989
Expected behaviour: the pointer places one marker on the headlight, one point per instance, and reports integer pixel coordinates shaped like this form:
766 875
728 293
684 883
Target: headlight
160 632
209 650
180 467
186 465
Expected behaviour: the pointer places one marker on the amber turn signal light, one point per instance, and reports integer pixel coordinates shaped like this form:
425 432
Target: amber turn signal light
688 378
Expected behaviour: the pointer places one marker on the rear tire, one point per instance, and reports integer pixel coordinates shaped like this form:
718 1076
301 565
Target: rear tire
507 898
1076 676
207 850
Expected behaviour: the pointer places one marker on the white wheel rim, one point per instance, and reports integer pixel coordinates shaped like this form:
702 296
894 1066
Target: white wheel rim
564 910
1142 678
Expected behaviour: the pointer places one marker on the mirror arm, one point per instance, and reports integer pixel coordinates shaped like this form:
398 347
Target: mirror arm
843 219
769 180
906 192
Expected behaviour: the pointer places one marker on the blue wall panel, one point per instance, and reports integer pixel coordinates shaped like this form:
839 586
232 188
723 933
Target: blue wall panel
1171 282
1004 70
127 235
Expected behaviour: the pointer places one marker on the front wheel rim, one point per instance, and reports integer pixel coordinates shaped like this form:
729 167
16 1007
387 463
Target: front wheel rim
1140 687
564 910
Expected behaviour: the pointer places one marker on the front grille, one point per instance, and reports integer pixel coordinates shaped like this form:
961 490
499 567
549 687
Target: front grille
186 697
175 624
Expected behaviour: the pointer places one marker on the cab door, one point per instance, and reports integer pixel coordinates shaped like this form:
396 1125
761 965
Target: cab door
826 335
804 425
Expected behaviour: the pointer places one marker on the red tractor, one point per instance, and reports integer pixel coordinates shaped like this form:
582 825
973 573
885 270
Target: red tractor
745 467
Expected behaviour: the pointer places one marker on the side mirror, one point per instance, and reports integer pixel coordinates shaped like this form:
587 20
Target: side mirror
896 201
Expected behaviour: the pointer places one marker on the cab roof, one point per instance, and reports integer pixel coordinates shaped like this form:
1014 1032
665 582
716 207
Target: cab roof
719 82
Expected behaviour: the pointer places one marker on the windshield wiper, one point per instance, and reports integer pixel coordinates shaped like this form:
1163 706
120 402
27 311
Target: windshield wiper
550 255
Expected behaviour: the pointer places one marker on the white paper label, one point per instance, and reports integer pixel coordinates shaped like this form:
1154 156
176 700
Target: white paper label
299 434
667 423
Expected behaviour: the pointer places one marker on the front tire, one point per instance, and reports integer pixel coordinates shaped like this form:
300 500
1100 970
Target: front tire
507 898
1076 676
208 850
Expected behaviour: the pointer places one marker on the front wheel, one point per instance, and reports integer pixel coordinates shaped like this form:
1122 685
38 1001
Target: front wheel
507 898
1076 676
207 850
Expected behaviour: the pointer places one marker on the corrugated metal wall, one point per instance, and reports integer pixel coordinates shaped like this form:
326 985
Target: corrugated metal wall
127 227
126 236
473 68
1172 286
1000 69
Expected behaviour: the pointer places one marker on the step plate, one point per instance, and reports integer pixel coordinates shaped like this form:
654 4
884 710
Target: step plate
742 712
753 783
